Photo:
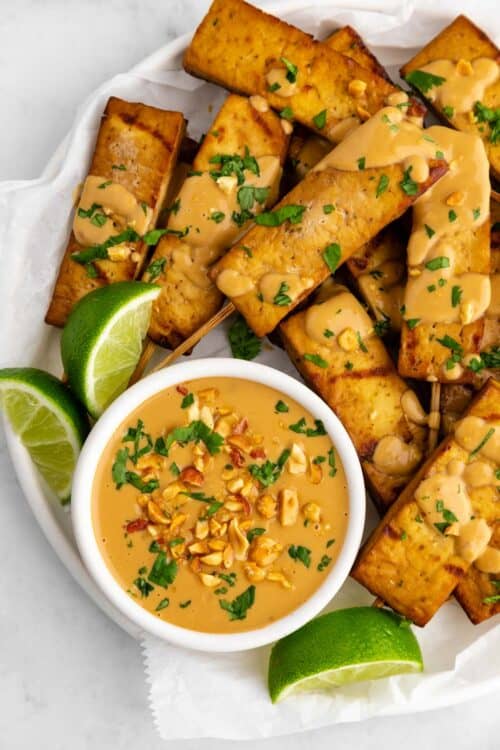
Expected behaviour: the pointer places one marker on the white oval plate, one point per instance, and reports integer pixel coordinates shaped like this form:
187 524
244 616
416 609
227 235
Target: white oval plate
462 661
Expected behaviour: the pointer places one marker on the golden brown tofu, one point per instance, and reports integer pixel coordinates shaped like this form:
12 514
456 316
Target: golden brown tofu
360 383
248 51
460 42
348 42
188 298
379 271
412 560
294 253
137 148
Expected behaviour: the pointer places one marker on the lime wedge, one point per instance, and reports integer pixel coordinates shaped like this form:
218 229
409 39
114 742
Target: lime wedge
349 645
49 420
102 341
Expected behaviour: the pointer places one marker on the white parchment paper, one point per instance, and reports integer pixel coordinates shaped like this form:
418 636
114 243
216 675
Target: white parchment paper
206 695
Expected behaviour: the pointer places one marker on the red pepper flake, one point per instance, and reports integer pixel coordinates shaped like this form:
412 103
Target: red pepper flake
240 427
139 524
258 453
182 390
247 508
236 458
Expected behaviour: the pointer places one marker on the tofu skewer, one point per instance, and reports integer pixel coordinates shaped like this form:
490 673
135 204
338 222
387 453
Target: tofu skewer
251 52
344 201
235 175
458 75
129 176
444 523
334 346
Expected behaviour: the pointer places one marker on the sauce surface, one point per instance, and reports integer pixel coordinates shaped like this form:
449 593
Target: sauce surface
231 530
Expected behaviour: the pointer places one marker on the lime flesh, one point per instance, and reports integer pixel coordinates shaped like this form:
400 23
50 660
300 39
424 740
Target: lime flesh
50 422
102 341
342 647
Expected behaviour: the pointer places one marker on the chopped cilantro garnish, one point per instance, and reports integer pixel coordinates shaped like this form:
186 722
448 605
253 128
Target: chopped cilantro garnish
281 407
452 215
155 269
164 603
193 432
293 214
324 563
424 81
429 231
268 472
257 531
331 255
412 323
237 609
286 113
328 208
217 216
382 186
144 587
331 462
316 360
442 261
292 70
281 298
187 400
456 295
483 442
320 119
361 162
448 111
243 341
301 428
298 552
407 185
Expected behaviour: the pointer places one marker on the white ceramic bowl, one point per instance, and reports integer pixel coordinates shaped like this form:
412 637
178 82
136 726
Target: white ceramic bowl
81 505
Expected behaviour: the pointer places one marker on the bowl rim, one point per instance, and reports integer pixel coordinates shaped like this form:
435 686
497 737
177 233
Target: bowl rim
102 432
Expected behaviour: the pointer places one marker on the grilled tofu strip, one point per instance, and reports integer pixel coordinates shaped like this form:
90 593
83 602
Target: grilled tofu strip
136 150
333 345
465 62
448 289
444 522
207 206
340 205
250 52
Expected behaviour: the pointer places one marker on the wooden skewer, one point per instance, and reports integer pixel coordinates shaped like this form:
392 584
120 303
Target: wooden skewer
147 352
188 344
150 346
435 409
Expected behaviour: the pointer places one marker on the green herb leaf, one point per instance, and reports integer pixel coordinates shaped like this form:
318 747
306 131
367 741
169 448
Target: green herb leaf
248 195
424 81
301 428
164 571
243 341
456 295
217 216
274 87
476 213
492 117
238 608
382 186
327 333
328 208
412 323
193 432
100 252
251 533
281 407
268 472
448 111
452 215
361 162
162 605
187 400
144 587
483 442
155 269
361 343
316 360
153 237
429 231
442 261
281 298
286 113
450 343
105 184
121 167
292 70
407 185
293 214
320 119
135 435
332 255
185 604
174 469
324 563
118 470
300 553
331 462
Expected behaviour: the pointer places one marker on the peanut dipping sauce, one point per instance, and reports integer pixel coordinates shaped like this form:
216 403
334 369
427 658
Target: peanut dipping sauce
235 555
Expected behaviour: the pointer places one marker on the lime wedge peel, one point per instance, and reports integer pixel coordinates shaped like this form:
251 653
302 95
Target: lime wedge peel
49 421
340 648
102 341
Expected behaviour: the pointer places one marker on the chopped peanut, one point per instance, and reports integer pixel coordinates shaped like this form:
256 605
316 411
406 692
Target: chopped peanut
207 417
209 580
312 512
267 506
455 199
201 529
289 507
297 463
214 558
177 521
264 550
347 340
356 88
279 578
315 473
254 573
156 514
464 68
190 475
172 490
238 540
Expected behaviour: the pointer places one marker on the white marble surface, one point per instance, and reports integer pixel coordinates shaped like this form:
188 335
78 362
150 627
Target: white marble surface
68 676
